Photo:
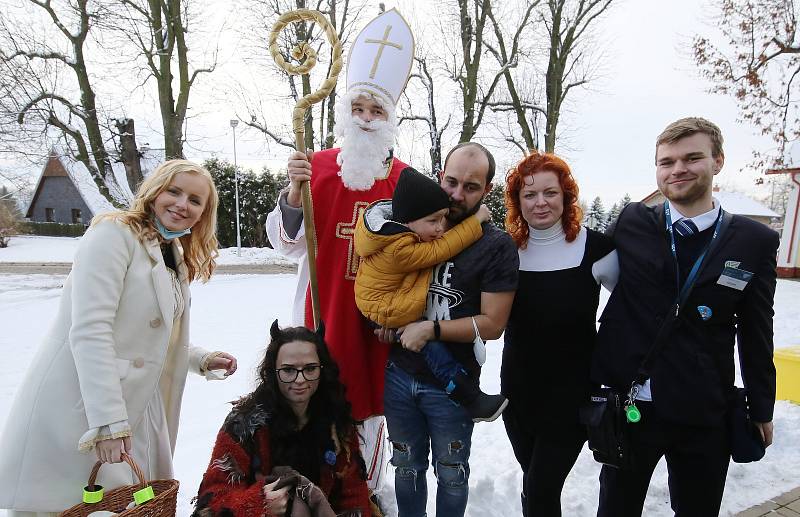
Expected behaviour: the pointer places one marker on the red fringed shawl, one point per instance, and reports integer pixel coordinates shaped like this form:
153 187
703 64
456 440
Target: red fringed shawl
233 484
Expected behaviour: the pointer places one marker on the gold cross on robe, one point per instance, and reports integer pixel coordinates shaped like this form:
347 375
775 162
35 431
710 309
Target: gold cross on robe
347 230
383 43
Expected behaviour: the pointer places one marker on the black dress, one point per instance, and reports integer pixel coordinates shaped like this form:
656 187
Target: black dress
547 356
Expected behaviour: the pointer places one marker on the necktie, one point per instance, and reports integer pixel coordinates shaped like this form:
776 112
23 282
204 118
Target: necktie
685 227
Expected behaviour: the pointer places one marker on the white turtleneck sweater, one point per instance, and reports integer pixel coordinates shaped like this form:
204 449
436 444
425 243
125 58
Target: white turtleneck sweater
548 250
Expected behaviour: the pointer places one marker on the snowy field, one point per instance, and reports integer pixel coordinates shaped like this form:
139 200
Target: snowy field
37 249
239 325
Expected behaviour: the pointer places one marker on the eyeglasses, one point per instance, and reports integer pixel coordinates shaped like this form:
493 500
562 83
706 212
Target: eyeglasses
289 374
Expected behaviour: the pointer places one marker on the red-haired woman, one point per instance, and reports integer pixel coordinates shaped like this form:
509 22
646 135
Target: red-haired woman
551 332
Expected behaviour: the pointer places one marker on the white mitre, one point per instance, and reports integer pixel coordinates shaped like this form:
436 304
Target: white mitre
381 57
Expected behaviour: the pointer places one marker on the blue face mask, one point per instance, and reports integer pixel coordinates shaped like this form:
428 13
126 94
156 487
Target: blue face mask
169 234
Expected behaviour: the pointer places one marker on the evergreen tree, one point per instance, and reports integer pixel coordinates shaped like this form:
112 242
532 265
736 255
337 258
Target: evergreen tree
9 202
9 216
495 201
596 216
258 195
612 215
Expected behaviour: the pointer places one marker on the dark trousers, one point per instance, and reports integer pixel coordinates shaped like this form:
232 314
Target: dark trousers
697 464
442 363
439 360
546 451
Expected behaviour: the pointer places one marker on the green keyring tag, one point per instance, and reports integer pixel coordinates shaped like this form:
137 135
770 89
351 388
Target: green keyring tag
92 495
143 495
632 414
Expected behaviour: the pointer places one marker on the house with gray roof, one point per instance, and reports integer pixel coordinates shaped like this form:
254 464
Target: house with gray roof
66 193
61 196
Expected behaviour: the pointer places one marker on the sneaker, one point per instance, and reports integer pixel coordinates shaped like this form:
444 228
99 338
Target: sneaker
486 408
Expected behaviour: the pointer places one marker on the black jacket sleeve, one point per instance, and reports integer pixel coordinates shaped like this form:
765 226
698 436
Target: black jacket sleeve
754 332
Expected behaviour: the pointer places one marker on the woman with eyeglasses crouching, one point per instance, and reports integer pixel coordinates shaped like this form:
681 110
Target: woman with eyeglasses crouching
291 442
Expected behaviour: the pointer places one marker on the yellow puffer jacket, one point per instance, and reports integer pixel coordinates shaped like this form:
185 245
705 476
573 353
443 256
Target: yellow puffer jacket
395 269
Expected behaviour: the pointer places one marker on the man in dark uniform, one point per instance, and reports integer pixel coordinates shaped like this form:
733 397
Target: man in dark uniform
684 401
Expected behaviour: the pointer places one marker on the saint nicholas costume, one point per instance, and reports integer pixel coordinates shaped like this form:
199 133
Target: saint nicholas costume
378 66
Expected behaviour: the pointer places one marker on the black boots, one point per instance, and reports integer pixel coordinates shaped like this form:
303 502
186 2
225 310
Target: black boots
480 406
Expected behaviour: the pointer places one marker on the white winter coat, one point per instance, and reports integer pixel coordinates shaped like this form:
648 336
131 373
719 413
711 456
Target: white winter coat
106 354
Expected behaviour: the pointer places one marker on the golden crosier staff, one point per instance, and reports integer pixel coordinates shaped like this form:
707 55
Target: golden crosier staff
304 50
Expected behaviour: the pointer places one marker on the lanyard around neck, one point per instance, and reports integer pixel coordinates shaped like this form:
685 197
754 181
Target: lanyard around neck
696 267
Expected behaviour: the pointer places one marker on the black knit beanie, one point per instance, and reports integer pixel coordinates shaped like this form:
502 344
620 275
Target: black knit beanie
416 196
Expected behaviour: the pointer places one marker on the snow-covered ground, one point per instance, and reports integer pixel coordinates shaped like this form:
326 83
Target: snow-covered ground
25 248
239 325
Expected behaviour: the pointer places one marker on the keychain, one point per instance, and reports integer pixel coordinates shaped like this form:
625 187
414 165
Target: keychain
632 414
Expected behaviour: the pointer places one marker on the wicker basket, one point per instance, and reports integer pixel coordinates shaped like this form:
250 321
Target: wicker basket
115 500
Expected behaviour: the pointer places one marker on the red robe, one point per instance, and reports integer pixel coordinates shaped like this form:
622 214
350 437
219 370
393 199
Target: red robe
360 356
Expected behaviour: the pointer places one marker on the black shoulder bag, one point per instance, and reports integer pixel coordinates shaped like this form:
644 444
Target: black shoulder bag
610 410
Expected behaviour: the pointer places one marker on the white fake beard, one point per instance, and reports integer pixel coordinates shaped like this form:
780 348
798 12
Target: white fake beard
363 154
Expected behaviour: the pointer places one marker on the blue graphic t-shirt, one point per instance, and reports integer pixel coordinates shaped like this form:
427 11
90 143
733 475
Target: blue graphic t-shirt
491 265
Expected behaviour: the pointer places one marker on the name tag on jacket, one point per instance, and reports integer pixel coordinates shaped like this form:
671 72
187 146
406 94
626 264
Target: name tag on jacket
734 277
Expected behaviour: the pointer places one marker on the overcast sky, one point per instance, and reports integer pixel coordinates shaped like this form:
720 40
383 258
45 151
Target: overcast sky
648 80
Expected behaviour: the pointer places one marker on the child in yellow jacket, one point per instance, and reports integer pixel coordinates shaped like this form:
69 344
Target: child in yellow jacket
399 242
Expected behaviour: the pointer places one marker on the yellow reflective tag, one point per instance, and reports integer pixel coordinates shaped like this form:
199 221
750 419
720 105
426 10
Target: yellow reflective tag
143 495
93 495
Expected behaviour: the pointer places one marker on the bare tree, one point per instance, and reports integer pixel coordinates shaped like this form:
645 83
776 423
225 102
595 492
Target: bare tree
492 51
759 67
465 68
566 22
41 73
159 30
129 152
431 120
43 68
508 58
521 112
485 86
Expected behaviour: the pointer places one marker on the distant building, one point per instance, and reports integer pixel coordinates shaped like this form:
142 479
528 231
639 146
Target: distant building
61 197
789 252
66 192
733 202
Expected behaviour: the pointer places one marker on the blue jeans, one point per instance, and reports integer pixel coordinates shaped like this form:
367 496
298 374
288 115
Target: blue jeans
421 417
442 364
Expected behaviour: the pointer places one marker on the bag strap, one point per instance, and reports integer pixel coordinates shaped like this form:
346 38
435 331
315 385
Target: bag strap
643 372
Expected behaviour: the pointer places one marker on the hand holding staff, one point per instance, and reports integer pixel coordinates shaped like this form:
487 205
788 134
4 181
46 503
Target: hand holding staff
304 50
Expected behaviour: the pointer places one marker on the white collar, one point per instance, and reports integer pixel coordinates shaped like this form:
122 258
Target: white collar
547 236
703 221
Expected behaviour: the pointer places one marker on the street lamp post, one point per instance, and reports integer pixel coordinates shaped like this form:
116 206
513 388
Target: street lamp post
235 123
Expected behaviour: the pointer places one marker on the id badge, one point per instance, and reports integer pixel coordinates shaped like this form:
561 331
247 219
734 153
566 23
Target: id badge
735 278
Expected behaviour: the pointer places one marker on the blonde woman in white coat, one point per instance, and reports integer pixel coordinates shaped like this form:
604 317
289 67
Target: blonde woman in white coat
111 372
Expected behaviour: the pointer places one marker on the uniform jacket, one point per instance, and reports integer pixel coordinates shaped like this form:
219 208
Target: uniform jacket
395 269
242 459
100 363
692 377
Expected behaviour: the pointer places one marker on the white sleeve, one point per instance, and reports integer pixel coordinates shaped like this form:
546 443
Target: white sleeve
107 432
606 270
98 276
198 359
289 246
